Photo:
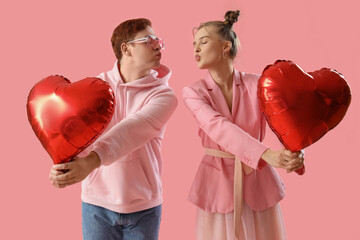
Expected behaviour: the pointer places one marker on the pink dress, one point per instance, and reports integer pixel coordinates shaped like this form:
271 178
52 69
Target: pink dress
260 225
238 133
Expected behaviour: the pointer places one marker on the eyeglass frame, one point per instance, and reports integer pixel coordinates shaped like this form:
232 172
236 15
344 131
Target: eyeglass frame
145 40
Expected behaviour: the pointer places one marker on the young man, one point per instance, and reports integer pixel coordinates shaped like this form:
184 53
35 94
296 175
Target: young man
122 191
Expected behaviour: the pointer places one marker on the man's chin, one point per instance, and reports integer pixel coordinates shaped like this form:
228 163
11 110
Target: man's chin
156 65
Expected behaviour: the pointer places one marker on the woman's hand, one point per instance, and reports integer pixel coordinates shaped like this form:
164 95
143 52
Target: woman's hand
290 161
65 174
297 163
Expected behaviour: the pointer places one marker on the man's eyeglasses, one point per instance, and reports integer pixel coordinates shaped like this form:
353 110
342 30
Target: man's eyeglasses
150 40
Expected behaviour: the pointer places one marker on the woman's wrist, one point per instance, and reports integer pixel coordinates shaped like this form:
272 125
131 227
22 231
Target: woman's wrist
265 154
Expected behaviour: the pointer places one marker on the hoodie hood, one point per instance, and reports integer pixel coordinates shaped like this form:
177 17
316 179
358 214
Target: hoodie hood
159 76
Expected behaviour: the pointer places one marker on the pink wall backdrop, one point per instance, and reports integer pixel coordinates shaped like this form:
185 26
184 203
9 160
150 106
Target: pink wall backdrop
72 38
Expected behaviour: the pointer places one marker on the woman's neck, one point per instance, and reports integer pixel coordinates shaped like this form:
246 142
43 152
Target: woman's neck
223 74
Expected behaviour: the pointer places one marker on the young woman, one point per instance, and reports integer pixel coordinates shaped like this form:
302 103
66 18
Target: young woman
122 191
236 188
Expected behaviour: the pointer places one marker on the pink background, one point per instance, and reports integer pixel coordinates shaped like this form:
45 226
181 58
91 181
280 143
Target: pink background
72 38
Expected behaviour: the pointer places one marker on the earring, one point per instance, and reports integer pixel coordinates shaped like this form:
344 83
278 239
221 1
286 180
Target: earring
224 55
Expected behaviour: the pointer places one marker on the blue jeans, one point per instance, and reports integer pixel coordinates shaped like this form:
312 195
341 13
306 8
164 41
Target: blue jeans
99 223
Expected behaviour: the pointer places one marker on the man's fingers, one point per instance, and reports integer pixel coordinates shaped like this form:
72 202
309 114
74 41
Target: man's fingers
55 172
64 181
60 184
64 177
62 166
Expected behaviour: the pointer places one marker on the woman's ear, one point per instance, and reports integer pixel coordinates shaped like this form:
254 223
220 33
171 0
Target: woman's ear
227 46
125 49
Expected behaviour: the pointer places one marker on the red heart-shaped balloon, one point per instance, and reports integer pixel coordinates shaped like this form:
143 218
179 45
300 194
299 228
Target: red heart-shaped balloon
67 117
301 107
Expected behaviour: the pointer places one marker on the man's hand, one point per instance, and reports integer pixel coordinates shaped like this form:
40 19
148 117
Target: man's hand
65 174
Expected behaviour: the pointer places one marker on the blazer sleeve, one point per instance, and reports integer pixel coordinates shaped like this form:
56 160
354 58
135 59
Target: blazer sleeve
136 129
222 131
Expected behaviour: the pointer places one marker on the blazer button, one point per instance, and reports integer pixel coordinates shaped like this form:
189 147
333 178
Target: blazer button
248 161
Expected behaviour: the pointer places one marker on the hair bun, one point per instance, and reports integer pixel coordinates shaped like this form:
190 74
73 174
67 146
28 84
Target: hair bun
231 17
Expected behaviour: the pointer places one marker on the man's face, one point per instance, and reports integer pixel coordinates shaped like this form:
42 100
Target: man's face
144 55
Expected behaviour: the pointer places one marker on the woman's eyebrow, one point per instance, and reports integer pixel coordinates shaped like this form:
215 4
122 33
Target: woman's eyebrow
200 39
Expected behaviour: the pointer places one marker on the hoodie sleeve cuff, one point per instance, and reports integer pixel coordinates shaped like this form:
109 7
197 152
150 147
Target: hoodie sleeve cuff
102 153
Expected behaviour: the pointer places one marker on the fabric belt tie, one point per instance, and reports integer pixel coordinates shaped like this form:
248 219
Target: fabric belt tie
239 168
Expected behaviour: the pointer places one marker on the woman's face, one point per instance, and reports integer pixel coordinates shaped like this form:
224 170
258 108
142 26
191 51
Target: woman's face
143 55
208 48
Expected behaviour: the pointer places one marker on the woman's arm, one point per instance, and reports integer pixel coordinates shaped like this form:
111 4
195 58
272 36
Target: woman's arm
232 138
222 131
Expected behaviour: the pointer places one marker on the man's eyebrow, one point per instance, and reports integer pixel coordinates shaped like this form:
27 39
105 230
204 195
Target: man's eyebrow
201 38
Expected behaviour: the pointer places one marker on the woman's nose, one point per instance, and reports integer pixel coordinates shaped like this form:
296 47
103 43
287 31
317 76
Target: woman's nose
196 49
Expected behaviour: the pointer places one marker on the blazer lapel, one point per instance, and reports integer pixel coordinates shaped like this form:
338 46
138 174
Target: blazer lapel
236 92
218 97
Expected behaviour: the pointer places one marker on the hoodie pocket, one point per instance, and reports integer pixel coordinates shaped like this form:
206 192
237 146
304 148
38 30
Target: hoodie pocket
138 186
132 185
125 183
92 176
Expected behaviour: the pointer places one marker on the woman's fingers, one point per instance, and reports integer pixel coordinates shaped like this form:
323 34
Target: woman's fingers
285 158
291 154
295 164
294 169
283 163
287 152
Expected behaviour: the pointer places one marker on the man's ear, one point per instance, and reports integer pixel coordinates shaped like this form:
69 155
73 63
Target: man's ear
125 50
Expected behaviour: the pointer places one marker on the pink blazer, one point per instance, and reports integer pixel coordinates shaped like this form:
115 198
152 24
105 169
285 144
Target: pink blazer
239 132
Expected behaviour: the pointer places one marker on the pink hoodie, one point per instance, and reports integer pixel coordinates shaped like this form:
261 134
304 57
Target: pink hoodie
129 178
